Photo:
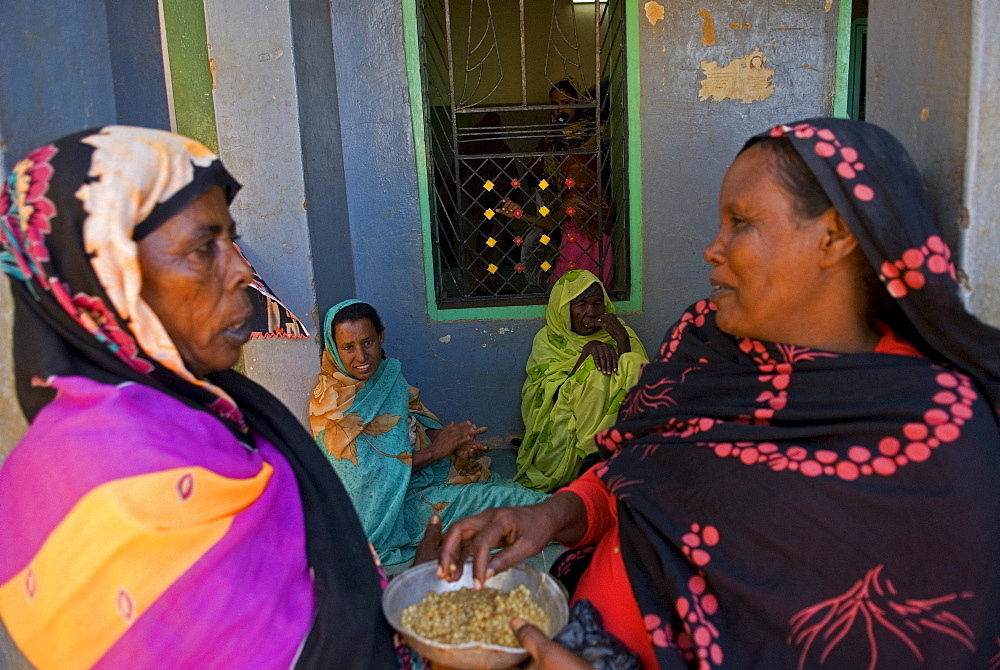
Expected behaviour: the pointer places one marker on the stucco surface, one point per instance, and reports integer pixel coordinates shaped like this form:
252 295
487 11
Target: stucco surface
918 89
932 82
982 167
688 143
257 119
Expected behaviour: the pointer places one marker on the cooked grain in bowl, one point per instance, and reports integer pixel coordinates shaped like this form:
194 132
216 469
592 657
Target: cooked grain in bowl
465 615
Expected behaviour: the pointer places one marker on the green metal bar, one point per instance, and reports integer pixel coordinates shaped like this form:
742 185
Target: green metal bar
190 74
843 64
411 50
634 303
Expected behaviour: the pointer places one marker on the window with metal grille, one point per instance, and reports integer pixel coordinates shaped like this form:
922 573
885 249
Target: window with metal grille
523 122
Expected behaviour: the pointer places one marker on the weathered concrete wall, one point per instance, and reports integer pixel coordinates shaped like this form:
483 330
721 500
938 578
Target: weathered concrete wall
256 112
690 138
137 63
982 175
322 152
48 85
59 73
46 90
932 82
687 144
918 89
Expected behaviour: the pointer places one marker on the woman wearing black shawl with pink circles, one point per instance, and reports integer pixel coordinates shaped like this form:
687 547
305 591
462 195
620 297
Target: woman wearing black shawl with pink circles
806 475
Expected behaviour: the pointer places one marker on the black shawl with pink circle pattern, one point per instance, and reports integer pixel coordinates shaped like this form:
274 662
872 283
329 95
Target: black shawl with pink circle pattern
784 507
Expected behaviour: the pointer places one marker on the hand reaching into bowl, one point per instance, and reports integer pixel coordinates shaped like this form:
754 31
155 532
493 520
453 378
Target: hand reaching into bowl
520 532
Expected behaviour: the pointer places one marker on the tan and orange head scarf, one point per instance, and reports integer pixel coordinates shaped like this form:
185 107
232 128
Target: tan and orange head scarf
71 214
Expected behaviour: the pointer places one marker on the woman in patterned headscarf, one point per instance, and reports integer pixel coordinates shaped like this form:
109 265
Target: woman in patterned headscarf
806 474
162 510
582 362
399 464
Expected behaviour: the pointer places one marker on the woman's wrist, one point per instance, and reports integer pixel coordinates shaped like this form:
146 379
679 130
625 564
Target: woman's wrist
429 454
440 450
568 516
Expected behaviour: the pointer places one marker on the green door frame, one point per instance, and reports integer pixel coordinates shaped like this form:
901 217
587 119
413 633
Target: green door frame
843 72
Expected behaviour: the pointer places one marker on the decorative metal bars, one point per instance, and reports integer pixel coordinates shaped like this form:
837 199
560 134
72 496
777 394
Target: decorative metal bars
527 155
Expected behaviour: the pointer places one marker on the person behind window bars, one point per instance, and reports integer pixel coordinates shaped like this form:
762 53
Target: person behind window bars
582 206
475 232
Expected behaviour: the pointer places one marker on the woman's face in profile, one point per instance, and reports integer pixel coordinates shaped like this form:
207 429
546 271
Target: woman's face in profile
360 347
195 281
765 255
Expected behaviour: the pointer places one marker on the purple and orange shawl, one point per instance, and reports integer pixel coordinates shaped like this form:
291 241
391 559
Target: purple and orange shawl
150 517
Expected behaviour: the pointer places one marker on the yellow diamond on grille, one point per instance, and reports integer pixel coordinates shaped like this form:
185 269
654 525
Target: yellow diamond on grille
544 239
543 210
491 242
488 185
490 214
543 184
492 268
545 266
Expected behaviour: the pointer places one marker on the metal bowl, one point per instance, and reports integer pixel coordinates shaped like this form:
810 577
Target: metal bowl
411 587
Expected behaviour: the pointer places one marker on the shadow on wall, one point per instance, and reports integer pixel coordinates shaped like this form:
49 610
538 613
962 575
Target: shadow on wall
14 425
11 657
11 419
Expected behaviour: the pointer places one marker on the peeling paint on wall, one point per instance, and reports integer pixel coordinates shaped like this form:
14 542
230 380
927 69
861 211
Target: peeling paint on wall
211 68
445 340
654 12
707 27
744 79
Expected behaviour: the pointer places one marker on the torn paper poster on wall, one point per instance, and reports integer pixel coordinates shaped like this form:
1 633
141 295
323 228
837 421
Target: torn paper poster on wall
745 79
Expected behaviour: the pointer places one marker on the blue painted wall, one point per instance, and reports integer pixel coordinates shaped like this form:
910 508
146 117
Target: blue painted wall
133 31
687 144
60 72
313 116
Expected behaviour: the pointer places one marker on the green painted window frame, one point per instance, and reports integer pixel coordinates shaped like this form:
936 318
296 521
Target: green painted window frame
843 59
634 303
190 73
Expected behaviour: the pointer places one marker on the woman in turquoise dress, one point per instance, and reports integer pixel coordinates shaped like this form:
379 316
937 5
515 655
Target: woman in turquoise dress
399 463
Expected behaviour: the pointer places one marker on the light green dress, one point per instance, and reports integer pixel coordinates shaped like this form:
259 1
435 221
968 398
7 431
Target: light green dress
562 412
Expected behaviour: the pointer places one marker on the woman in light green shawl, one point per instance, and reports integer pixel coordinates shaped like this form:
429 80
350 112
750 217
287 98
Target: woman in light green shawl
399 464
582 363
